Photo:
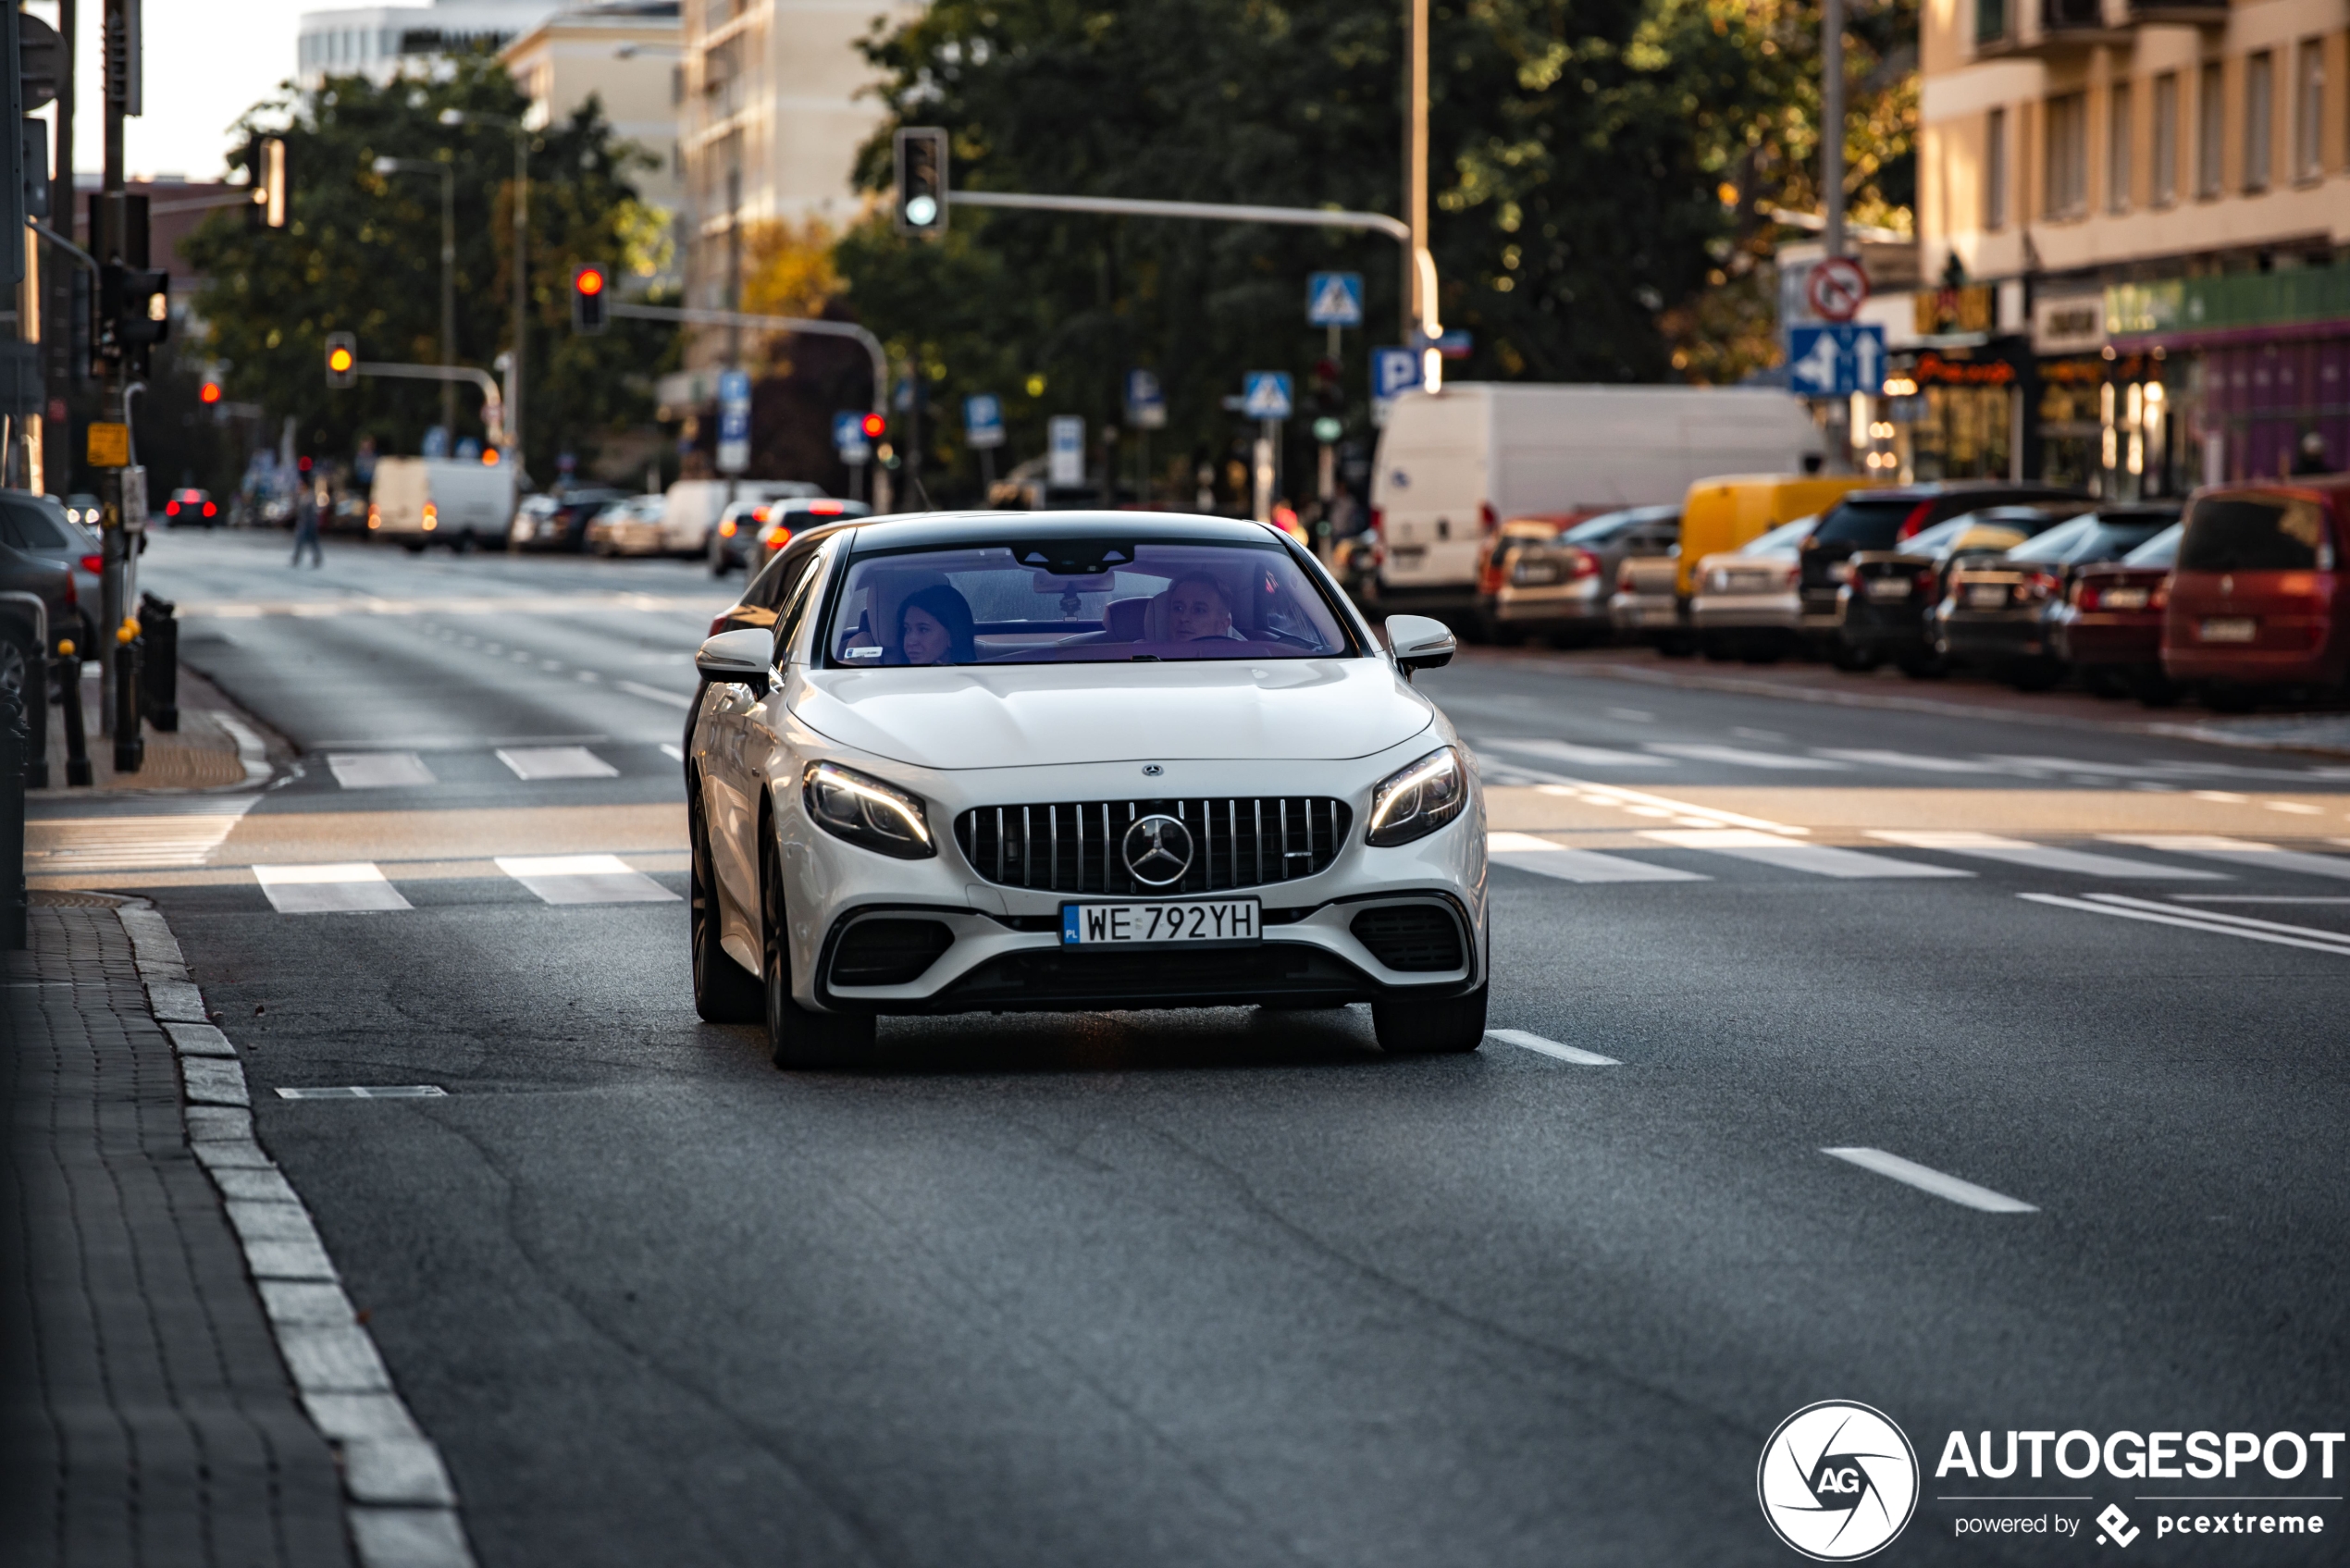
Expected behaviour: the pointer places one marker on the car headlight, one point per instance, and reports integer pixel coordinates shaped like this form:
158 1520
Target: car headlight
866 812
1414 802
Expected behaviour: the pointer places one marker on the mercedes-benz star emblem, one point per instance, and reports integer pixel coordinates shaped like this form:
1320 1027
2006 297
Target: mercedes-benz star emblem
1159 851
1152 770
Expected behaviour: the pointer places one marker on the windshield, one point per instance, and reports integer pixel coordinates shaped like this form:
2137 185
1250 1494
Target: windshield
2059 543
1080 601
1926 541
2256 533
2160 551
1783 539
1859 524
1607 524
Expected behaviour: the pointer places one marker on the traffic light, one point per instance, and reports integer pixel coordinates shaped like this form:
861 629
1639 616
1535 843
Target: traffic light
209 393
589 283
343 360
269 184
874 427
922 181
134 310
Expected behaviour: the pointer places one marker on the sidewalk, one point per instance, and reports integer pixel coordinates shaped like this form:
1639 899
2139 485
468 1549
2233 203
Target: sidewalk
215 749
181 1377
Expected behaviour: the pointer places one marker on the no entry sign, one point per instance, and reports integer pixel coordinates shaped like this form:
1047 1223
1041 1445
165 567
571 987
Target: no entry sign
1836 288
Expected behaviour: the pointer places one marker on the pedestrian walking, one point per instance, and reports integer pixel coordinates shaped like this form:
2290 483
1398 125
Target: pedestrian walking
306 522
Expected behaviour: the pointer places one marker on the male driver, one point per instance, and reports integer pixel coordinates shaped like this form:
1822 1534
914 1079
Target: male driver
1197 609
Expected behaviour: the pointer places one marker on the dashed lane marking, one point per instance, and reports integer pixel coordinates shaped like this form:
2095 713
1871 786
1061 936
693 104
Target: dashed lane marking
2209 921
1741 757
1771 849
350 888
1551 1048
557 762
2250 853
379 770
2043 857
1523 852
654 694
1576 756
673 753
1926 1178
1910 761
367 1092
584 879
1616 794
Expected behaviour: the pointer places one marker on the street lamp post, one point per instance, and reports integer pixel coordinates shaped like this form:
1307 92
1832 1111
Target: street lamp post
447 272
522 128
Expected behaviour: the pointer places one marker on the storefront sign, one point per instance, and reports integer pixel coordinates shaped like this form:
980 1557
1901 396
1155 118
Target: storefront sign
2073 325
1933 370
1944 312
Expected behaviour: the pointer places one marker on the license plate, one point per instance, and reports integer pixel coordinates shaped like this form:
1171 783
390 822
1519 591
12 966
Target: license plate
1189 923
2232 629
1991 596
1889 587
2124 599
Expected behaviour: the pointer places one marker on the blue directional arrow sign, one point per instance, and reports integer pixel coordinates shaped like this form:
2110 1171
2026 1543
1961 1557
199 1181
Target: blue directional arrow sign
1334 299
1265 394
1836 360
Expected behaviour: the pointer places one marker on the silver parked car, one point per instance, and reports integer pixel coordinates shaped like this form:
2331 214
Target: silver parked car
1558 586
1749 602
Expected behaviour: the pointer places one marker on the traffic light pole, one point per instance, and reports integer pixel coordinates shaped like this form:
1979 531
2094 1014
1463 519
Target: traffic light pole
739 320
121 67
493 408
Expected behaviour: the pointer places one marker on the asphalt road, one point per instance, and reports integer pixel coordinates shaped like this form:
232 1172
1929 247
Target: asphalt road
1232 1287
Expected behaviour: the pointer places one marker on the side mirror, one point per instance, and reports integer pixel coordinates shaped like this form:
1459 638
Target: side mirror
1419 643
745 657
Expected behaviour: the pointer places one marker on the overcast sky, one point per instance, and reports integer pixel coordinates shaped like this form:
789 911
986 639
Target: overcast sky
207 61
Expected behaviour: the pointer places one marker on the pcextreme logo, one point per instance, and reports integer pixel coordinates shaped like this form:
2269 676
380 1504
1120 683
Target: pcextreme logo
1838 1481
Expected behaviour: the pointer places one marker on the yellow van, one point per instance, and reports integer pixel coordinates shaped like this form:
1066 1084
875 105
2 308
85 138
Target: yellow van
1725 512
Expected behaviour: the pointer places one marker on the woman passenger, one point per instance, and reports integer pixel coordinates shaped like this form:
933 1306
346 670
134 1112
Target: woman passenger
934 627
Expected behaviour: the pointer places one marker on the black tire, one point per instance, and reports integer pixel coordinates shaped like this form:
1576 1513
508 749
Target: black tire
724 991
1716 647
2156 690
1922 666
413 547
1676 645
16 665
2040 675
801 1039
2223 699
1850 659
1446 1028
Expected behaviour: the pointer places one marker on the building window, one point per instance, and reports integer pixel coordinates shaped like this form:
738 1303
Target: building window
2259 116
1990 20
1995 170
2118 129
2309 112
2165 138
2065 188
2210 132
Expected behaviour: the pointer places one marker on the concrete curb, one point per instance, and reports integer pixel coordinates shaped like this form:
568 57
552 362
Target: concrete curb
398 1503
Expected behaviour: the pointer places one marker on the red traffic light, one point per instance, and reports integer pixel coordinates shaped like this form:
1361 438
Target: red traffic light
209 392
589 280
873 425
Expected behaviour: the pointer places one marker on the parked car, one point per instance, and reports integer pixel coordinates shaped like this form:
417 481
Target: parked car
1555 583
1884 606
1748 604
780 522
1999 614
191 509
2258 607
1451 466
22 571
764 595
82 510
1646 606
558 519
1881 520
2110 628
38 525
419 501
631 526
694 507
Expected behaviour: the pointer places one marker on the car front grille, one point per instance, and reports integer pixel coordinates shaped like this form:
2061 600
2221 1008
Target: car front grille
1073 847
1410 938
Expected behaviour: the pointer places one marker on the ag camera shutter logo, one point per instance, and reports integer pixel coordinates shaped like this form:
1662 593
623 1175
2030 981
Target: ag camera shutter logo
1838 1481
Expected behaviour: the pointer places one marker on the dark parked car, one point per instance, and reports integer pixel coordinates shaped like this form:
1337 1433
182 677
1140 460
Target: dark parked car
2258 603
2110 629
2001 614
191 509
1886 602
558 519
1882 520
22 573
38 525
1556 584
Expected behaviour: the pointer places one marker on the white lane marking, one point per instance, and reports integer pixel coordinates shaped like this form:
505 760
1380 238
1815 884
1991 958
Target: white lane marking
1926 1178
2250 853
2254 898
1580 755
367 1092
186 837
2210 924
671 752
1616 794
329 889
2219 796
2247 921
2294 807
558 762
1908 760
2074 765
1637 715
654 694
2042 856
1814 859
584 879
1739 756
1773 737
1581 1059
588 676
1523 852
379 770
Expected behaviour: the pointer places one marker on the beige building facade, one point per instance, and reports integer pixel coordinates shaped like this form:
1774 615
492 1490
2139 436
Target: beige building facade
2139 211
631 59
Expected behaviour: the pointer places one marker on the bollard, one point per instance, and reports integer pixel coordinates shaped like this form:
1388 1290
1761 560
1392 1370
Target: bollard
67 669
13 750
159 672
130 739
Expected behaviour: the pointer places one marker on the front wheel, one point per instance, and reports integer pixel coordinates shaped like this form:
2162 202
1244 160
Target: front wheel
1445 1028
801 1039
724 991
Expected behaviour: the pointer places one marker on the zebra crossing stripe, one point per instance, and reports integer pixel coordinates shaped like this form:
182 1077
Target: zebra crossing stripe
584 879
1523 852
557 762
2250 853
1818 859
379 770
350 888
2044 857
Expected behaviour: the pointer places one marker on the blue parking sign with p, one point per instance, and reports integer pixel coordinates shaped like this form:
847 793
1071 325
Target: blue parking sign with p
1393 373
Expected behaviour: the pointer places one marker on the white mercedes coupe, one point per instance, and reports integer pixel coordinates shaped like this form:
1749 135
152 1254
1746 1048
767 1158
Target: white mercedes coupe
1071 762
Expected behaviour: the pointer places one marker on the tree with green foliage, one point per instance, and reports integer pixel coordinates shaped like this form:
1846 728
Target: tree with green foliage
362 255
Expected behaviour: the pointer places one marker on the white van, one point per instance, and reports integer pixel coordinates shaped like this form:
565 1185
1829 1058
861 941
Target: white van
1454 466
695 505
417 501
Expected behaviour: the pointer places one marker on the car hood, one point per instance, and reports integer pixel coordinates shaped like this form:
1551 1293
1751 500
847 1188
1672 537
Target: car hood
1048 715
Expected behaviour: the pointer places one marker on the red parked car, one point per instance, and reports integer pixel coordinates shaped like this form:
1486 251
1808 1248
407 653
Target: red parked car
2111 627
2259 605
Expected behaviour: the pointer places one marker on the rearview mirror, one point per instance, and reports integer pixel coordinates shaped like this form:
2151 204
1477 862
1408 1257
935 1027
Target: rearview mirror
746 656
1419 643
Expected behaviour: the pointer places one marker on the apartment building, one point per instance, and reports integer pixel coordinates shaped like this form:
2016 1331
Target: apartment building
629 57
384 41
2139 214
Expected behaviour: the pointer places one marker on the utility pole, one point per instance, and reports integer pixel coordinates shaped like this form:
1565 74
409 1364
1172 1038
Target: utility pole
1831 122
109 244
1416 310
61 200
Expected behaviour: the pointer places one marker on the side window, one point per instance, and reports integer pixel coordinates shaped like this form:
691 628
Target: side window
803 593
12 532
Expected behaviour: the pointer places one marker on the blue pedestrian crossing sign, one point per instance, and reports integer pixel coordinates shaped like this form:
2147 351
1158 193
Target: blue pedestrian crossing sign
1266 395
1836 360
1334 299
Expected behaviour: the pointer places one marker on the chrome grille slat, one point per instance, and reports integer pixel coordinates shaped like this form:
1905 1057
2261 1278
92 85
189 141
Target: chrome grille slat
1300 836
